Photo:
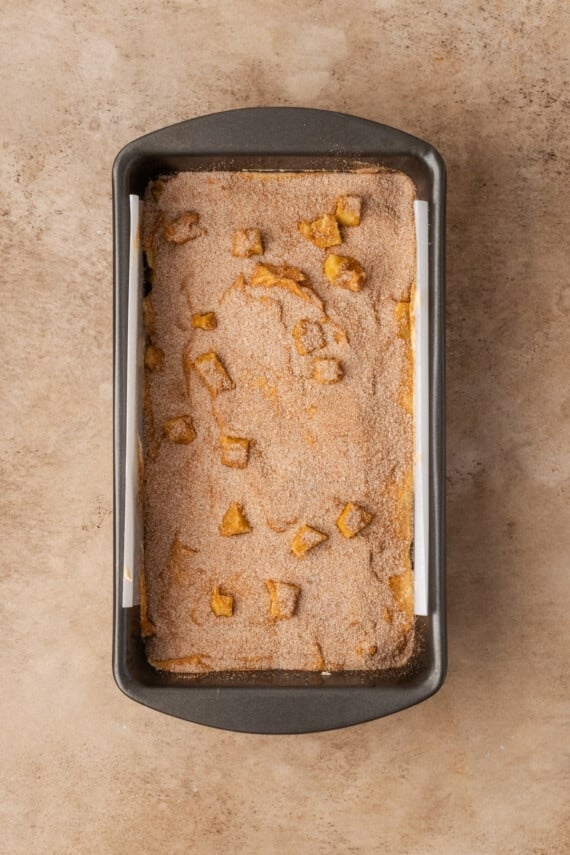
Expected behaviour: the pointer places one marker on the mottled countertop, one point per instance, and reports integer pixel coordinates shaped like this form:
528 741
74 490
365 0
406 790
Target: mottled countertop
483 766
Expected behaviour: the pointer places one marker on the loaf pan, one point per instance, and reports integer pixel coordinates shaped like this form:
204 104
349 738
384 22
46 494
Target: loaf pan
279 139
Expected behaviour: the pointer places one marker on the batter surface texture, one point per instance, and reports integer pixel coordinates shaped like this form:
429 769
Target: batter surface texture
279 431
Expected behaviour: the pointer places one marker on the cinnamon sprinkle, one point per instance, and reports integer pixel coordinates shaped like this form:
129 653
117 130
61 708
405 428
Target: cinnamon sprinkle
314 447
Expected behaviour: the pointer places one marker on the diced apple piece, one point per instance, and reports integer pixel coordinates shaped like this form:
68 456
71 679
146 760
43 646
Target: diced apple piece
308 336
283 599
282 276
183 228
205 321
367 650
344 271
180 430
327 370
213 374
235 451
353 518
153 358
247 242
221 604
323 231
305 539
234 521
349 210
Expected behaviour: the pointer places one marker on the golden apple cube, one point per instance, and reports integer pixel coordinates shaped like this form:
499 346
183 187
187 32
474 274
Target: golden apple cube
327 370
205 321
179 430
323 231
153 358
308 336
183 228
235 451
349 210
353 518
221 604
344 271
283 599
271 275
213 374
247 242
367 650
305 539
234 521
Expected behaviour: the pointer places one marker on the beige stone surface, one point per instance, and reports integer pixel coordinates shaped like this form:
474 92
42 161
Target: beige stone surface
484 766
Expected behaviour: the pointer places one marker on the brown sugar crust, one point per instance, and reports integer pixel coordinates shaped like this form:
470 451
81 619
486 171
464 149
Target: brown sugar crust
313 448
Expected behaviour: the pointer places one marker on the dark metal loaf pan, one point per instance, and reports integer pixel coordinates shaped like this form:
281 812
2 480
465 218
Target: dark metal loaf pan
276 139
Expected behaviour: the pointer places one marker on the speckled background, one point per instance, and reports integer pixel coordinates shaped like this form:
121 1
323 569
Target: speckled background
484 766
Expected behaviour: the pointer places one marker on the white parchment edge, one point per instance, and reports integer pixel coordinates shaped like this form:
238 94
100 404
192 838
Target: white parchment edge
421 408
131 548
131 544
